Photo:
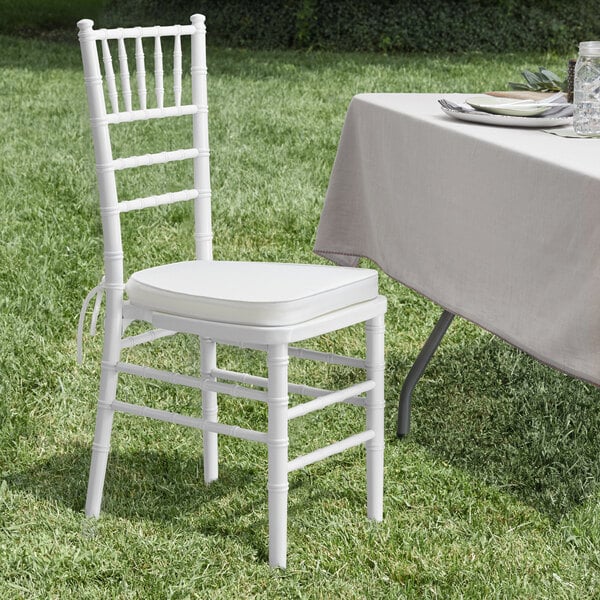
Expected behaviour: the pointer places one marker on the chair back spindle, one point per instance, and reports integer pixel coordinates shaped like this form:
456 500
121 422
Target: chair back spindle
109 73
120 109
124 70
177 70
140 72
158 73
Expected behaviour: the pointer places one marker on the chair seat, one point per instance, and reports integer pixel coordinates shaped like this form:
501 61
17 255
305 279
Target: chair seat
250 293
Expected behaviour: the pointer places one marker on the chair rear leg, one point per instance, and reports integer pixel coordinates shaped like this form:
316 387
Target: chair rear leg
375 330
277 442
101 445
208 354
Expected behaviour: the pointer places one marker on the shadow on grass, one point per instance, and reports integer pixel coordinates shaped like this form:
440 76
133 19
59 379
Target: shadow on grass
492 410
160 487
165 487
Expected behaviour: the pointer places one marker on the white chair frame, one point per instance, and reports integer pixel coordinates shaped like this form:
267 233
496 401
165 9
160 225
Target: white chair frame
275 341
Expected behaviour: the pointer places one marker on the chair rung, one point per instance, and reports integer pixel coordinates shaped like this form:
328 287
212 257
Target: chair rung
147 336
146 160
152 201
237 391
327 357
196 422
140 32
332 398
293 388
336 448
244 378
160 375
195 382
151 113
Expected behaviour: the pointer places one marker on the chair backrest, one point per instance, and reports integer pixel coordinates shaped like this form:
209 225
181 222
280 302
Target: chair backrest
122 110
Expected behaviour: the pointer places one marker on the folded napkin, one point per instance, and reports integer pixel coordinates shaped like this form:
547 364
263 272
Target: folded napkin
558 111
568 132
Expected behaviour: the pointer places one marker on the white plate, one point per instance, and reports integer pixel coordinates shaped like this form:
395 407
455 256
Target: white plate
508 121
507 106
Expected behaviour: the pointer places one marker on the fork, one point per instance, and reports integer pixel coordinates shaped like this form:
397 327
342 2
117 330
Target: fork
452 106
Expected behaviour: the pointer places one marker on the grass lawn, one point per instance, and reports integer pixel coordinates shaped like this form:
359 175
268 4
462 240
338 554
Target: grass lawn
494 494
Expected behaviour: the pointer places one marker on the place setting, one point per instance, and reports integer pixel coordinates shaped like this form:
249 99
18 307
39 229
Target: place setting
567 108
512 111
544 100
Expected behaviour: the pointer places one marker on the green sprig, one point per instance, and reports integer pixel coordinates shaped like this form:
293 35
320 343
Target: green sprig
543 80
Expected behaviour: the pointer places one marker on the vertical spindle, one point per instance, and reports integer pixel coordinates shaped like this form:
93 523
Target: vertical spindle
110 77
140 70
177 70
158 72
124 71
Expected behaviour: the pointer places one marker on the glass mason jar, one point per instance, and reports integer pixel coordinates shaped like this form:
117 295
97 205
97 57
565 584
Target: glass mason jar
586 96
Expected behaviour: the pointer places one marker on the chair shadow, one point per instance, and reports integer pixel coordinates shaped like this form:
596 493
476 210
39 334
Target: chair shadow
499 414
157 486
164 487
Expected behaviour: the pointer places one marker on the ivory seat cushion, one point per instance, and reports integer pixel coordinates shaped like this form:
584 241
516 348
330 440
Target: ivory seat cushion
250 293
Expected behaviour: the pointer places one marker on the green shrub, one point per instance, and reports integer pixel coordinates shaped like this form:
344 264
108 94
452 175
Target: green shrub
35 15
372 25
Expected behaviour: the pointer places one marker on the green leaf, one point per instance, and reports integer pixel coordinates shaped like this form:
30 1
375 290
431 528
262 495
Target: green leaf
531 78
518 86
551 76
543 80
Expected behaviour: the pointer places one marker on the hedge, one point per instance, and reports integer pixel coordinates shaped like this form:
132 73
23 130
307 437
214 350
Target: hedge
32 16
369 25
386 25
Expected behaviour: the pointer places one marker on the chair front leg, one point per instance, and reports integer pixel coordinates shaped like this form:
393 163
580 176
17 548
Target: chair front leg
107 394
375 329
277 442
208 358
101 445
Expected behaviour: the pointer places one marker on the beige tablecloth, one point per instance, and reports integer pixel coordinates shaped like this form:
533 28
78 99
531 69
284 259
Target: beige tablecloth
500 225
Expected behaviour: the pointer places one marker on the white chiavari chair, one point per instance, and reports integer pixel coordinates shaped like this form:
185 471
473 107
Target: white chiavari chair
264 306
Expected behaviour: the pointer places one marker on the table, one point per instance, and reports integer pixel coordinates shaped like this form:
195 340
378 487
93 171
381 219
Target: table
500 225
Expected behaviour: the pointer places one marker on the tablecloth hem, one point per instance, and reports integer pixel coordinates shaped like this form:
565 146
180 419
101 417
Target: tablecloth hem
330 254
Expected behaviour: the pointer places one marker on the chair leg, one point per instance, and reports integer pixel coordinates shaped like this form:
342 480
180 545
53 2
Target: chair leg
107 394
208 350
277 442
101 445
375 329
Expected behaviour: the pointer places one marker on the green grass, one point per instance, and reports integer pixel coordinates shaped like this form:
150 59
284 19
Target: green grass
494 495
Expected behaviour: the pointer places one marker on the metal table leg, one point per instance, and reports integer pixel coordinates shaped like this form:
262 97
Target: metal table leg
433 341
